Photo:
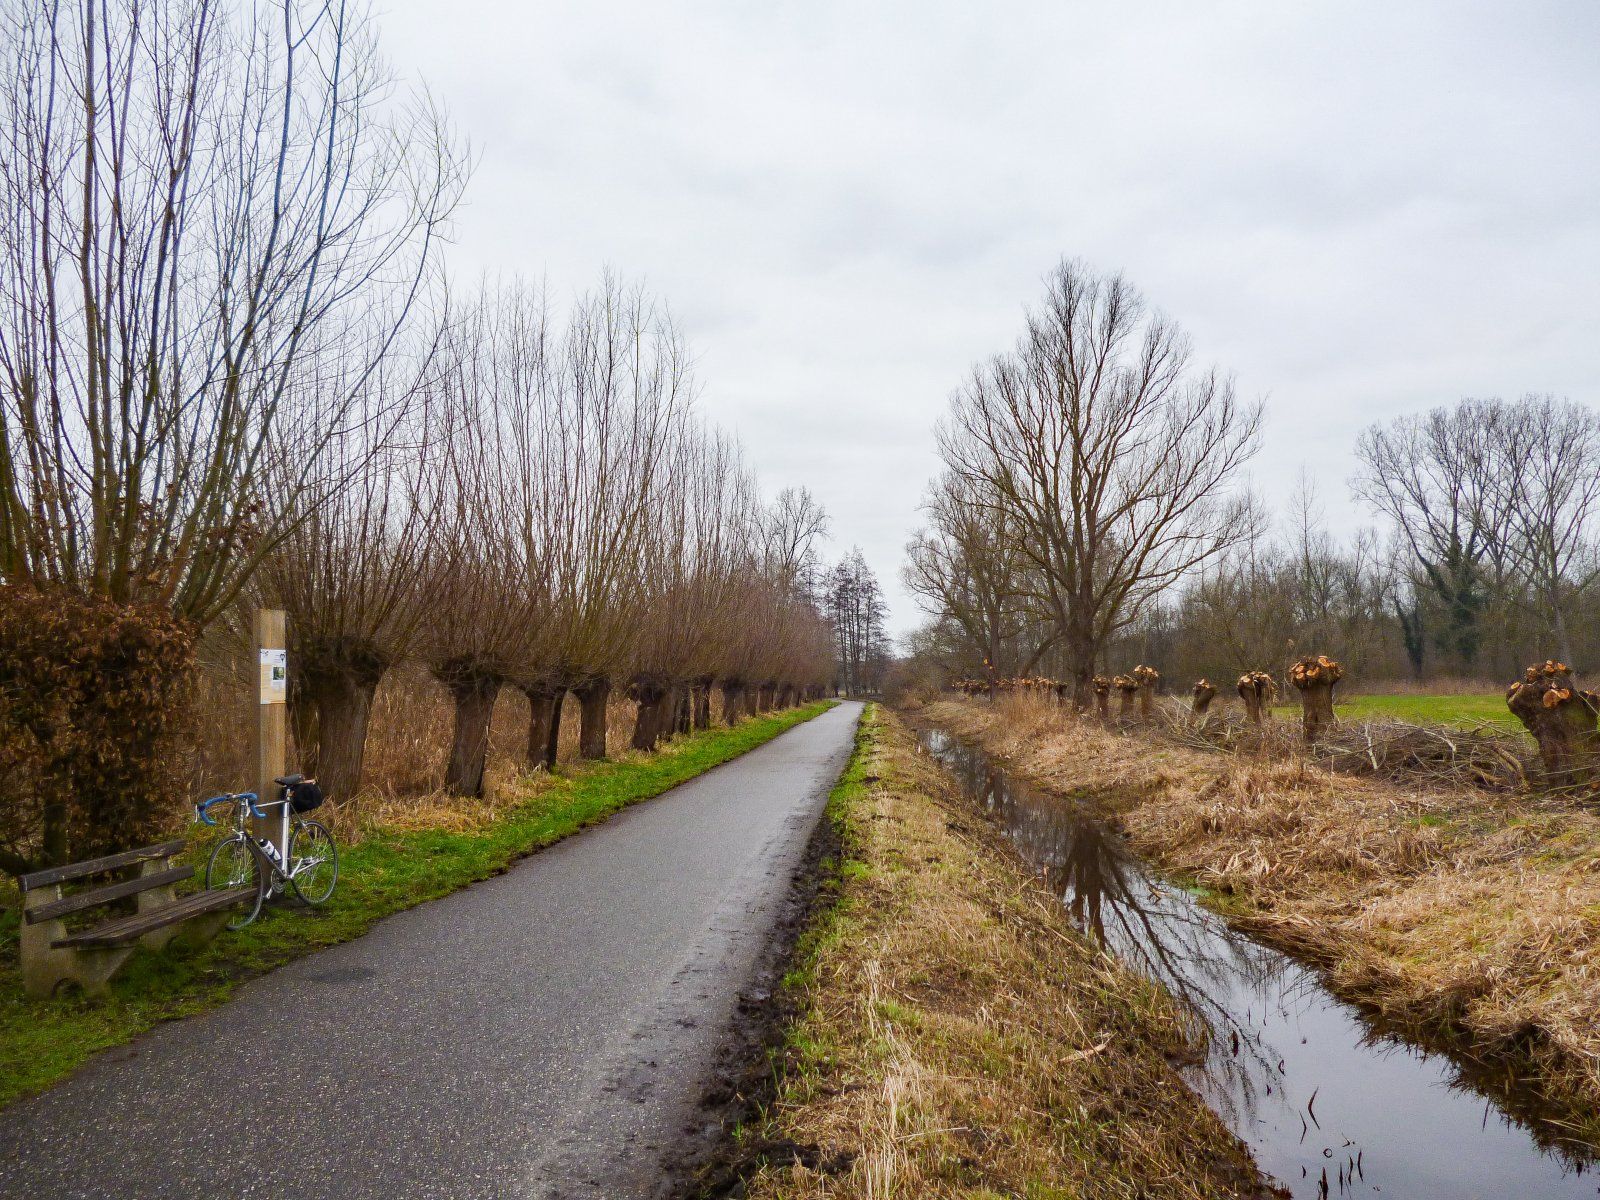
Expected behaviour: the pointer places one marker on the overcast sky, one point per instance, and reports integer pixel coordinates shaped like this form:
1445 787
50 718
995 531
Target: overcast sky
1359 209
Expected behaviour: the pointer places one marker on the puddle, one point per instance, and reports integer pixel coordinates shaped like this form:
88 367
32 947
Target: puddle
1328 1105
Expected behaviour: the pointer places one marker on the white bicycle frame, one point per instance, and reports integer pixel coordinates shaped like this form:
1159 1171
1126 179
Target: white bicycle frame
278 877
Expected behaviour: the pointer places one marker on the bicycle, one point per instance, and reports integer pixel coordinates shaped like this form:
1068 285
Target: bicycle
242 859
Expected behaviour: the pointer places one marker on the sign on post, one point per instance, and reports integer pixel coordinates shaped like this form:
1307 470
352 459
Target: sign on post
272 725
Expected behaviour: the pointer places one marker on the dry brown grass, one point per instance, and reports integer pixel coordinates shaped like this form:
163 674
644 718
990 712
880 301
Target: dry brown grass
1466 916
960 1037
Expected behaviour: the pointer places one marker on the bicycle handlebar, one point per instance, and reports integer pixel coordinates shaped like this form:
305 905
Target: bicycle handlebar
203 809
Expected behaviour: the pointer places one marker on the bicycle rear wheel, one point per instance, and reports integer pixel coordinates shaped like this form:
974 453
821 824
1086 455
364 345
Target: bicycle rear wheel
314 862
233 865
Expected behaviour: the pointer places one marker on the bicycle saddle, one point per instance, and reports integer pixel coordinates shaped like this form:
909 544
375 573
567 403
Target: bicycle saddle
289 780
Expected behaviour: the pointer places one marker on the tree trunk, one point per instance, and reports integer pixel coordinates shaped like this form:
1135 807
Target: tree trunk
337 682
1315 678
303 722
343 710
474 695
1102 697
1128 688
1256 689
682 710
1561 719
702 703
1080 656
650 720
53 851
1200 699
1148 679
733 702
544 725
592 697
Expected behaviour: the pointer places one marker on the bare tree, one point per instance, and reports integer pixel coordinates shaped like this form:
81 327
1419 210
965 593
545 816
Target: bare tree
1110 454
1435 478
195 198
793 526
855 606
969 566
1545 451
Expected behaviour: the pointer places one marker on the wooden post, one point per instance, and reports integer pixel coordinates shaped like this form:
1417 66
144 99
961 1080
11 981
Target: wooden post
272 723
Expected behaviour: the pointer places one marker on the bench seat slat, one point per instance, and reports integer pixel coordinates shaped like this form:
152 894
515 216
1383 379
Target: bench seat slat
79 901
95 865
125 929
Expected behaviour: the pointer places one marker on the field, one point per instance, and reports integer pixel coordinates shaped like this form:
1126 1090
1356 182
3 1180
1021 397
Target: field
1478 708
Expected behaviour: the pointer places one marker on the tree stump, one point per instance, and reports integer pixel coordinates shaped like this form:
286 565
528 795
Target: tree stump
1148 679
1200 698
1314 678
1258 690
1102 696
1561 719
1129 687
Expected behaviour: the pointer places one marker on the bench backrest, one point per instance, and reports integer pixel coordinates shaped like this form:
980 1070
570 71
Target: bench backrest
52 877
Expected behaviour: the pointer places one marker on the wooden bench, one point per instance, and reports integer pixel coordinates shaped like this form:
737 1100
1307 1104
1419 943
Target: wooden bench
52 954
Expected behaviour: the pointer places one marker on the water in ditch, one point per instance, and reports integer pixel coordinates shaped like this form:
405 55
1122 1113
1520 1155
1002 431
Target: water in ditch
1329 1105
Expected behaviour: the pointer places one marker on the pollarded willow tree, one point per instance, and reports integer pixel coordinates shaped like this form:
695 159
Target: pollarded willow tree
622 390
1107 451
349 576
195 197
204 206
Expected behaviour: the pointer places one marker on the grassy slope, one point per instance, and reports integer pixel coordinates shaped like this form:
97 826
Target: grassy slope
41 1041
1465 710
1461 917
958 1038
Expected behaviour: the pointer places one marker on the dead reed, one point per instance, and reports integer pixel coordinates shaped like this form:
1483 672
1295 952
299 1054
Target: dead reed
961 1038
1467 915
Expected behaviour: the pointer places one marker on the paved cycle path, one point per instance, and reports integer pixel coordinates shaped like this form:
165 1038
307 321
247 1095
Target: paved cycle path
546 1033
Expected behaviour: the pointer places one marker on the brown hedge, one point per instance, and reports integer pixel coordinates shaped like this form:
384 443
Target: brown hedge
94 699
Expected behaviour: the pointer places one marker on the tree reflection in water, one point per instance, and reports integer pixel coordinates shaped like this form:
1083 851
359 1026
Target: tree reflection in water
1328 1104
1150 925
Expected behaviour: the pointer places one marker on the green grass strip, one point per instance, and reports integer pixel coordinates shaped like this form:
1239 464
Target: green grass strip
43 1041
834 917
1463 710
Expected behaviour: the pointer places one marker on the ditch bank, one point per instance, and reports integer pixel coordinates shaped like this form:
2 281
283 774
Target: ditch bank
955 1035
1465 922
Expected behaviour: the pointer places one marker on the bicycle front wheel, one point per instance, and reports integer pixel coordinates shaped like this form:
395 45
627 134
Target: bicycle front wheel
314 862
233 865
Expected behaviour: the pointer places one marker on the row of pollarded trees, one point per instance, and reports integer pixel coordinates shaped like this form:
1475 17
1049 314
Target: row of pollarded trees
231 374
558 521
216 224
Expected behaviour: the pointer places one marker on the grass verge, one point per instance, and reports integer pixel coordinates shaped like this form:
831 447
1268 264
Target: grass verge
389 870
1466 920
957 1037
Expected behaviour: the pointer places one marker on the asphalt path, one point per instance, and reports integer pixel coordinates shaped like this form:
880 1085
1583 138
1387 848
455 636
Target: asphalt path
550 1032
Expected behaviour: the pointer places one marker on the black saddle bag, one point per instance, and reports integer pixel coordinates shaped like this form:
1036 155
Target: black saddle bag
304 797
